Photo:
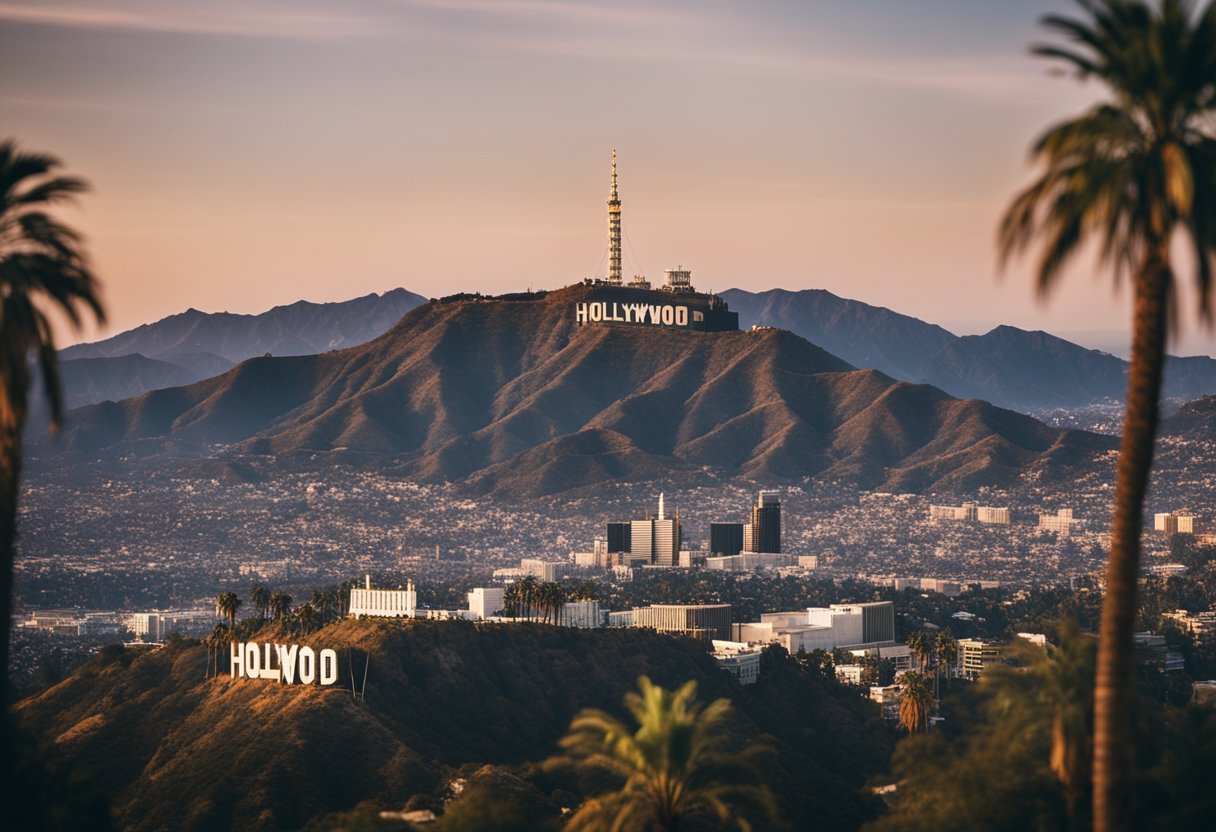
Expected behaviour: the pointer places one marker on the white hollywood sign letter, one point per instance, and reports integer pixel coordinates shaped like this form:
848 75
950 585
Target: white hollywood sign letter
329 667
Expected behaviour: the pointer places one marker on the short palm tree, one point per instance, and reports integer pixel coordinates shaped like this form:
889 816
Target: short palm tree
528 597
43 269
306 617
915 702
946 648
673 764
259 599
922 647
227 605
280 606
320 600
1133 175
1066 675
219 635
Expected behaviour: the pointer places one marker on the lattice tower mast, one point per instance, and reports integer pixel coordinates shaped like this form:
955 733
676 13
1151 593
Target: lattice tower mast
614 230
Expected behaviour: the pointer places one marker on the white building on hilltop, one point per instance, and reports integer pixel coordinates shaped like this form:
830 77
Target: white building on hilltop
738 659
823 628
582 615
485 602
384 603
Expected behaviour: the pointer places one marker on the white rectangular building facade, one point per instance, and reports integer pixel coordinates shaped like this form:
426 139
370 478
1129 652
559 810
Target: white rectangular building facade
546 571
384 603
582 615
485 602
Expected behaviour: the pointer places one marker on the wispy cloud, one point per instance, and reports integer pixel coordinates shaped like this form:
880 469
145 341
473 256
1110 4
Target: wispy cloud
568 11
293 20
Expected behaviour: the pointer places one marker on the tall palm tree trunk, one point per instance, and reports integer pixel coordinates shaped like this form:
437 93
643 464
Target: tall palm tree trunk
1115 682
12 421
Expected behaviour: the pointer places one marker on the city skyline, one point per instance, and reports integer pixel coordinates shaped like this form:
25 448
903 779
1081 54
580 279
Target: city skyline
244 158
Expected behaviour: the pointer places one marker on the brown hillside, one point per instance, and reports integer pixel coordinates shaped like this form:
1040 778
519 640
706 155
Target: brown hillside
174 750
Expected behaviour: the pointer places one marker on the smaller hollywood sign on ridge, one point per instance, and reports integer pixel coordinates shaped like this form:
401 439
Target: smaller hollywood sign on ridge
290 664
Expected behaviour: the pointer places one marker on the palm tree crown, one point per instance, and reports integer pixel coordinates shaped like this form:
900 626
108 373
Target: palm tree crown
1131 171
673 764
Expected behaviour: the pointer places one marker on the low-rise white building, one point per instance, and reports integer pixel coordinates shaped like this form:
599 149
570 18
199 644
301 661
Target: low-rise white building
159 625
582 615
543 570
750 561
740 660
822 628
485 602
887 697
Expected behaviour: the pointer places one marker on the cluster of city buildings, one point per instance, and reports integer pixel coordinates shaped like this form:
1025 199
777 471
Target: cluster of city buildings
1062 522
657 541
1170 522
970 513
944 586
149 627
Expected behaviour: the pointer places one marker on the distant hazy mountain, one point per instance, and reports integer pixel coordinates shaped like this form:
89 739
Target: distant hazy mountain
89 380
512 397
1008 366
194 345
863 335
1194 420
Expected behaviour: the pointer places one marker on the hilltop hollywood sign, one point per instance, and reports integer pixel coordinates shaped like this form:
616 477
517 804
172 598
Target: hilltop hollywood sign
288 663
653 314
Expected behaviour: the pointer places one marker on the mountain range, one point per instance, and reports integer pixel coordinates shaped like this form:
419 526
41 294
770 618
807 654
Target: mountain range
1009 367
1022 370
511 397
194 345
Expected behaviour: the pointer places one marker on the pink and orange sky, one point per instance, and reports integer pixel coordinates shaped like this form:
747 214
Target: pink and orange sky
248 153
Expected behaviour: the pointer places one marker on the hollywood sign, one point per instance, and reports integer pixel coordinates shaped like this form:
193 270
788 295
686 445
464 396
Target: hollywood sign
287 663
653 314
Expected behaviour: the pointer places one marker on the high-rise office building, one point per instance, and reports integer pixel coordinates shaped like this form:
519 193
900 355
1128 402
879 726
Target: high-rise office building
763 533
619 537
656 540
725 538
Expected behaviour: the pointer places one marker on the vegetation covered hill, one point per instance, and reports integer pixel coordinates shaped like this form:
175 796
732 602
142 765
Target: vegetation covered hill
178 751
513 397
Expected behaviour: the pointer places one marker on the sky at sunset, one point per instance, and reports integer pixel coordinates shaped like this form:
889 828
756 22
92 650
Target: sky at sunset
249 153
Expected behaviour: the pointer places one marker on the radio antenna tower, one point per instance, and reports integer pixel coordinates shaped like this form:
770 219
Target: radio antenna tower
614 230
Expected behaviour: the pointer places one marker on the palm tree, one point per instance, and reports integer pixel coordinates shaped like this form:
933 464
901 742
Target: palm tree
219 635
280 606
259 599
915 702
674 765
320 603
43 268
1131 174
510 599
946 647
922 647
1063 683
306 617
553 597
227 605
528 594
